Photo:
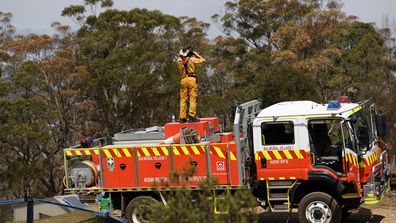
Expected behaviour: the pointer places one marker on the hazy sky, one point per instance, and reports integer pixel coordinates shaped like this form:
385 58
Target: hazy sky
37 15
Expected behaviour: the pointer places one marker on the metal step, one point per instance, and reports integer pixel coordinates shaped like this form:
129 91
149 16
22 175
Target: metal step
279 187
278 197
280 183
280 208
278 194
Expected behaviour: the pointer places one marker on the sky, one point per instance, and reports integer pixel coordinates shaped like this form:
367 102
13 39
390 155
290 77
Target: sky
37 15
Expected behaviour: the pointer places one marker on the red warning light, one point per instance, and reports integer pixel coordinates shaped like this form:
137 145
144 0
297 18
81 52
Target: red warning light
344 99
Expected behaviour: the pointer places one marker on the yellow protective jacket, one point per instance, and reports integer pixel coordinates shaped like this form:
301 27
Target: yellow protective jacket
191 63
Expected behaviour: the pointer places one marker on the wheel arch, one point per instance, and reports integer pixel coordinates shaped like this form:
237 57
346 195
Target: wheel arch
139 208
318 183
129 196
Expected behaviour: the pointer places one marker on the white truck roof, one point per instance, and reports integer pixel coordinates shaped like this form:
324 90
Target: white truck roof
307 108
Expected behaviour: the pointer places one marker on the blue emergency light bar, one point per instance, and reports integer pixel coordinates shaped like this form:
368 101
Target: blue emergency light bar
334 105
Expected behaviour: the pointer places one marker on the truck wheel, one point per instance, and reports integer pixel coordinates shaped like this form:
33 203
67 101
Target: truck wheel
318 207
140 208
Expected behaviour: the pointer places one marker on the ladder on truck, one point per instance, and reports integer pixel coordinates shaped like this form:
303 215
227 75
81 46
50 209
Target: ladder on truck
278 192
244 114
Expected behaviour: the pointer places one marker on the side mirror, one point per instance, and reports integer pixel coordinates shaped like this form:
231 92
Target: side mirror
363 136
381 125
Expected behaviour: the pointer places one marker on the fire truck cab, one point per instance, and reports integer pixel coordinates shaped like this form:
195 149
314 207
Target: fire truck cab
324 159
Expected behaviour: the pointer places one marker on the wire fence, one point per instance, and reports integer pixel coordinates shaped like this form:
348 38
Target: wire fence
36 210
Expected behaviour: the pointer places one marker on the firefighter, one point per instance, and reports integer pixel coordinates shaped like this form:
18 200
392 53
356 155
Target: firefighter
187 61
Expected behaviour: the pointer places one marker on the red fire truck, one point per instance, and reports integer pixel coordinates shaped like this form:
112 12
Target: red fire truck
323 159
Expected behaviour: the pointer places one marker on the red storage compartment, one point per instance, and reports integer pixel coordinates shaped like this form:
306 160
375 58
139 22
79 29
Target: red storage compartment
118 167
153 166
190 164
173 128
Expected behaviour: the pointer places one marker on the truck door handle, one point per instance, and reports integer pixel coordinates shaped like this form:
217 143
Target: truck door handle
263 163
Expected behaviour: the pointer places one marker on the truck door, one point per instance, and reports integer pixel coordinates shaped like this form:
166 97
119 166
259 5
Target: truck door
277 154
350 156
367 148
333 147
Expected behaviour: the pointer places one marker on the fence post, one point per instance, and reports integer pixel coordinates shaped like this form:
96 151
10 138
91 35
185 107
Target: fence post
107 217
29 216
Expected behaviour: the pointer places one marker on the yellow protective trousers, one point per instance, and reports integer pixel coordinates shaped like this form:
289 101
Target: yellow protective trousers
188 90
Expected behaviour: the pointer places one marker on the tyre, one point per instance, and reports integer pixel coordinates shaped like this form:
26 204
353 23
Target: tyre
319 207
140 208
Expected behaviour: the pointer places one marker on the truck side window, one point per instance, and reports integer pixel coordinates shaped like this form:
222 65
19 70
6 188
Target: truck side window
348 139
357 120
326 142
277 133
325 136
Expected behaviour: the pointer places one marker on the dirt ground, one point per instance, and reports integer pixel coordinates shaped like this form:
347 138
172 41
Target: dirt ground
384 212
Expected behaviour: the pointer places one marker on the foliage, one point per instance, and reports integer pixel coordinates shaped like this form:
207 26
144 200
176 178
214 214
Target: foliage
121 52
24 132
198 206
306 50
40 103
6 28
